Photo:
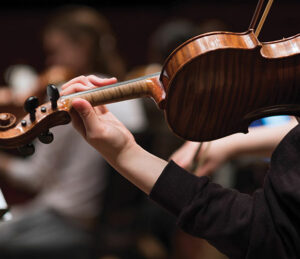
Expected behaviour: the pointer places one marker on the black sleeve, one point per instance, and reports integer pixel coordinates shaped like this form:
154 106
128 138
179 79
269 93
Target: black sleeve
265 225
204 209
282 192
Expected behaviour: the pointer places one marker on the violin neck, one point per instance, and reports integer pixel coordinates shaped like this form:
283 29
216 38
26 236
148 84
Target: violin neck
147 86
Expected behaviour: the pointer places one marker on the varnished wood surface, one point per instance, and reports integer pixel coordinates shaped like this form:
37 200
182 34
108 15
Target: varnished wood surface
21 135
202 44
148 86
230 84
288 47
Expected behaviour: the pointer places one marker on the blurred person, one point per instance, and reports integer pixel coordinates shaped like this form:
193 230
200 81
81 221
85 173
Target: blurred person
60 222
80 38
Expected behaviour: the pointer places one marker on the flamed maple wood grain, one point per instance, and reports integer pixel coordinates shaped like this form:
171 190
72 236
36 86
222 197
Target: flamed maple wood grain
234 81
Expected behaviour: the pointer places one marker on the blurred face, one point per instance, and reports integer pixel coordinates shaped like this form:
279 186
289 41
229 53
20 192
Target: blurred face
63 51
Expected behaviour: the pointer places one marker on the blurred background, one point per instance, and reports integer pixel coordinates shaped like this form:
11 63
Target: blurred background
133 22
59 212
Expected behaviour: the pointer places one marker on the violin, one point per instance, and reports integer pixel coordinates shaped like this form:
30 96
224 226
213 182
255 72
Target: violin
211 86
9 101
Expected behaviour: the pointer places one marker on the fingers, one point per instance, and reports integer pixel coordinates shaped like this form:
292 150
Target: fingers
84 83
80 79
87 115
90 80
75 88
97 81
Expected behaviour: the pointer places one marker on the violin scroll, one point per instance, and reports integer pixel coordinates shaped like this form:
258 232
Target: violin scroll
46 137
30 106
53 95
36 123
27 150
7 120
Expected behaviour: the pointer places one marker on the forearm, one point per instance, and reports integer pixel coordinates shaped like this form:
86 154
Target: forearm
143 169
139 167
259 141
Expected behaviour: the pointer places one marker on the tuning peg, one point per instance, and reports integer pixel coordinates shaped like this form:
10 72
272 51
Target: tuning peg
27 150
53 94
30 105
46 137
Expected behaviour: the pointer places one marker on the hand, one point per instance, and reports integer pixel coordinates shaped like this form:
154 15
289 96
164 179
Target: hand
111 138
101 129
97 125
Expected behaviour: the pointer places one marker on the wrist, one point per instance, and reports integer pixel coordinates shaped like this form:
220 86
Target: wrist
129 154
139 166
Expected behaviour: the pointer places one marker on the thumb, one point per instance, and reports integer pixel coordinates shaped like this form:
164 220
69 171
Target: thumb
86 113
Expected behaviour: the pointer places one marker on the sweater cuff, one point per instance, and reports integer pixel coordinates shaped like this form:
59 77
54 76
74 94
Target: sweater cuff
175 188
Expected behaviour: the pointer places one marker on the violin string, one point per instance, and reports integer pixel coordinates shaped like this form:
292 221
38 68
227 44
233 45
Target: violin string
78 94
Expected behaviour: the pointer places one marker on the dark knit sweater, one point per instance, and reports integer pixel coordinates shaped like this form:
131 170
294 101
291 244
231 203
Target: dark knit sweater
265 225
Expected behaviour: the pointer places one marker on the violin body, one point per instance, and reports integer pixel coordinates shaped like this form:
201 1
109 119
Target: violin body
211 86
218 83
